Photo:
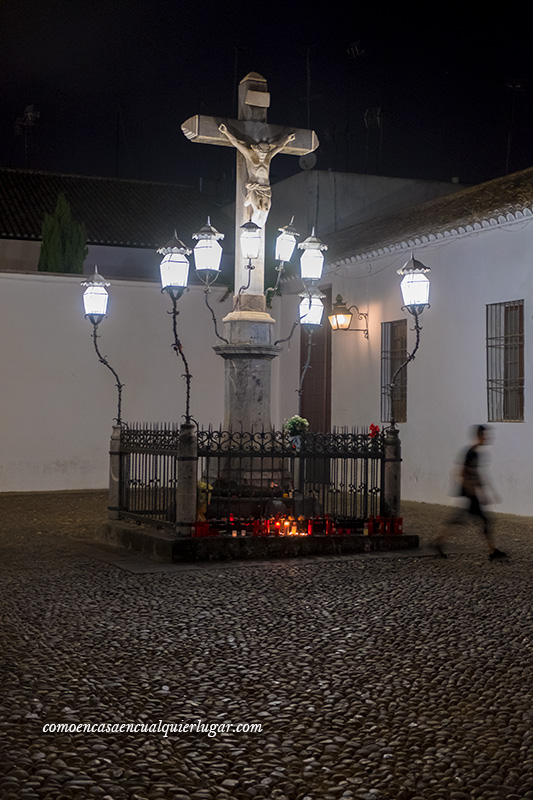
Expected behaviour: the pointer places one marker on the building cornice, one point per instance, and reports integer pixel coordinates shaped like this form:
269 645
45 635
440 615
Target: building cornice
454 232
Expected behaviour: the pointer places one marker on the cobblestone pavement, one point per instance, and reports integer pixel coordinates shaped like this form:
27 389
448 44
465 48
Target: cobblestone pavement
373 677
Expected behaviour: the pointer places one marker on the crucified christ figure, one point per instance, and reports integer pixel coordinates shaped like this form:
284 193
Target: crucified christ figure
258 156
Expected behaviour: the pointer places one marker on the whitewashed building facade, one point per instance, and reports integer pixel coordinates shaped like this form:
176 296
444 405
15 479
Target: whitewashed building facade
474 364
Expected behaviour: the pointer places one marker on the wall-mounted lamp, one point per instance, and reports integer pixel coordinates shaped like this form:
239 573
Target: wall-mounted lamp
341 317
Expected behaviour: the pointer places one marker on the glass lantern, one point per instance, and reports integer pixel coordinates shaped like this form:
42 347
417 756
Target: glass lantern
207 252
174 267
95 297
311 309
250 240
341 317
286 242
312 259
414 285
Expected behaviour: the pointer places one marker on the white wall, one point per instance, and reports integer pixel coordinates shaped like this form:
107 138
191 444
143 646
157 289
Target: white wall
447 380
19 255
58 402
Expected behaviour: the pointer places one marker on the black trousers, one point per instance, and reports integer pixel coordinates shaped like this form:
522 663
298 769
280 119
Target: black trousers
473 508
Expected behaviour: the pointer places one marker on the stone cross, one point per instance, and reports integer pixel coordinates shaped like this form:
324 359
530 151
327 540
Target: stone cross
249 327
256 143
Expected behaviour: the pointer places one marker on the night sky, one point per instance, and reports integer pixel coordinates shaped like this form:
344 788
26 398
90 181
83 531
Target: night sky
114 79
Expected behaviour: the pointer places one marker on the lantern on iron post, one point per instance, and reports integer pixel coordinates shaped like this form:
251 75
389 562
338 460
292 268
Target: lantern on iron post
207 253
207 257
311 312
251 240
285 244
312 259
311 309
95 299
174 270
415 287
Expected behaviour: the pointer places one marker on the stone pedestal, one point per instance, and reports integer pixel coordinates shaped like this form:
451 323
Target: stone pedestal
247 357
114 474
186 484
393 473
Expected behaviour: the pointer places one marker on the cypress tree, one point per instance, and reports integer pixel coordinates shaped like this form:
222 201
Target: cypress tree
64 241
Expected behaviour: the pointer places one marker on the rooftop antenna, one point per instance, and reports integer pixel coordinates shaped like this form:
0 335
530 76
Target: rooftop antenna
513 87
23 126
374 118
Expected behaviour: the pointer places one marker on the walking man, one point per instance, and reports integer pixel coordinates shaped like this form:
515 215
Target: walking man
477 491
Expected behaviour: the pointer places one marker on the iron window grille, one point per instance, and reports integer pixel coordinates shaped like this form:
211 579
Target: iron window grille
393 354
505 361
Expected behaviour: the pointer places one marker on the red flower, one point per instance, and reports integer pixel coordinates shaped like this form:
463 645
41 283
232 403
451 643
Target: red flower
374 430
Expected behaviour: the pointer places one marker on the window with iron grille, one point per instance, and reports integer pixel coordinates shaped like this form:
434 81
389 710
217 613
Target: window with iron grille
505 361
393 354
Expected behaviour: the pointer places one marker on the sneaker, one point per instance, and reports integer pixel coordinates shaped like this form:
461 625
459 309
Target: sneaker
498 554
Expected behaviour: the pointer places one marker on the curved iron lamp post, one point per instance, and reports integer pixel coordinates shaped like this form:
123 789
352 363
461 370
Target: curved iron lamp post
95 299
207 256
311 306
415 287
250 247
285 244
311 311
174 269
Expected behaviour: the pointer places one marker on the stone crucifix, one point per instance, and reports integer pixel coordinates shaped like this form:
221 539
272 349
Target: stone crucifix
249 327
256 143
257 157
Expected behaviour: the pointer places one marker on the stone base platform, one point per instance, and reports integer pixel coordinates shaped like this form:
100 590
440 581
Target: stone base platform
162 546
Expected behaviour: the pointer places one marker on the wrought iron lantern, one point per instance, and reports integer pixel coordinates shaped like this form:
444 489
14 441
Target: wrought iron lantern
415 293
341 317
286 242
207 253
250 240
174 270
174 267
95 297
312 259
414 286
311 309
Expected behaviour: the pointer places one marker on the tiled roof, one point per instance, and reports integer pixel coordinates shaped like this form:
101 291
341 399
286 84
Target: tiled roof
502 200
114 211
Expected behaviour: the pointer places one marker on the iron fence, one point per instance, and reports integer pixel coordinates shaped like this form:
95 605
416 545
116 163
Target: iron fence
245 478
148 471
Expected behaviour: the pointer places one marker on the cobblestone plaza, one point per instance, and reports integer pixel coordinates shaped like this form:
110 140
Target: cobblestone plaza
380 676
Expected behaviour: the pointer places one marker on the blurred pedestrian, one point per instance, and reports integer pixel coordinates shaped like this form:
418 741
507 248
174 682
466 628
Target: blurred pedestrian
475 487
